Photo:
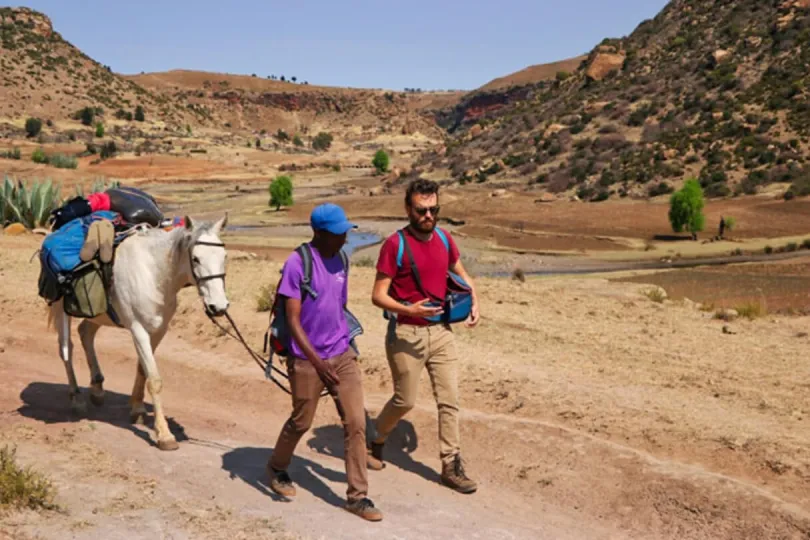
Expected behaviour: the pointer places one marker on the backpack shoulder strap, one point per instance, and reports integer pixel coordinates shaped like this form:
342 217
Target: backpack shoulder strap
345 259
400 248
306 280
443 238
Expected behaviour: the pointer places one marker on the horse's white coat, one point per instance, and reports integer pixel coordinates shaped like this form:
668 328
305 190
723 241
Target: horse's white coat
149 270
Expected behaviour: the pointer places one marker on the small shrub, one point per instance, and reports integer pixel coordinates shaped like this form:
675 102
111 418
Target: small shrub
563 76
282 135
264 300
656 294
768 250
61 161
519 275
14 153
108 150
33 126
791 247
23 487
751 310
364 262
140 114
99 130
297 141
38 156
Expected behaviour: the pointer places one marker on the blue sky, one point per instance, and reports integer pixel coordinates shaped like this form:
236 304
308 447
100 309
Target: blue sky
392 45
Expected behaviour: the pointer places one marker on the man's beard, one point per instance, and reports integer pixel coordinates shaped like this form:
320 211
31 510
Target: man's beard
425 228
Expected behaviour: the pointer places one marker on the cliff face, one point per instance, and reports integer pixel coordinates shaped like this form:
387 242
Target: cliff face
715 89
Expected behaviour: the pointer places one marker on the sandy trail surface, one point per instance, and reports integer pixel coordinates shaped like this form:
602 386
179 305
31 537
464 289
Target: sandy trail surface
588 411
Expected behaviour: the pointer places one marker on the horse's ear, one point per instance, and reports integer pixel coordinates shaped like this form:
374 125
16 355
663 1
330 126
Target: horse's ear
219 225
189 224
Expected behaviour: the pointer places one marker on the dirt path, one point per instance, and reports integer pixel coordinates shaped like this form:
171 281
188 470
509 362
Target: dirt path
588 411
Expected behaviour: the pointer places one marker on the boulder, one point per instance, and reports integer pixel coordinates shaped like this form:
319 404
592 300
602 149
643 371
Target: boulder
498 193
720 56
603 64
15 229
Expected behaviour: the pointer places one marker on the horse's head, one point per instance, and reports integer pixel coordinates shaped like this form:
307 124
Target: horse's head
206 259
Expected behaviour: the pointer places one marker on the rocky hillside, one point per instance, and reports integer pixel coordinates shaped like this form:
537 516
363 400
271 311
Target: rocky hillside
715 89
44 75
254 103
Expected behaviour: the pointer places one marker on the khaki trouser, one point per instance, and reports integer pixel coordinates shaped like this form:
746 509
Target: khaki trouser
409 349
306 388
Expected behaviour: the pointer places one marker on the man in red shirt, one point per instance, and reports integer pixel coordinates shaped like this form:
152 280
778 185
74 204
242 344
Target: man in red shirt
412 342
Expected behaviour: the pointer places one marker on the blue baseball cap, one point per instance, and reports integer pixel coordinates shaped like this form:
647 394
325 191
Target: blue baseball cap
330 218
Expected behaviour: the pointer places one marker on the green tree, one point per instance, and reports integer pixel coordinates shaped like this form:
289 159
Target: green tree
281 192
33 126
686 209
297 141
380 161
99 129
322 141
87 115
140 115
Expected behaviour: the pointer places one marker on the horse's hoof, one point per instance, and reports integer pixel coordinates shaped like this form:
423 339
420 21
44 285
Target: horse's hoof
97 399
167 445
78 406
137 418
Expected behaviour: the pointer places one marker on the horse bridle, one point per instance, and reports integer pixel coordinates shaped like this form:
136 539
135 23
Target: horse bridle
198 280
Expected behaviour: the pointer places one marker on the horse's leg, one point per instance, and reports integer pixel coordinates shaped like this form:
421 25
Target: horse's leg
77 402
87 334
143 344
137 414
137 411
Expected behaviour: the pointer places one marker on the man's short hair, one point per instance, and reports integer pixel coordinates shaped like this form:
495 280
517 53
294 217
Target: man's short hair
422 187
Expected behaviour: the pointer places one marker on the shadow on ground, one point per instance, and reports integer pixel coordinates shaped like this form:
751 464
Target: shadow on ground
249 465
399 447
49 403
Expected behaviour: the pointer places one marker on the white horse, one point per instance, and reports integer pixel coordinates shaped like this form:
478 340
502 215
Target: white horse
149 269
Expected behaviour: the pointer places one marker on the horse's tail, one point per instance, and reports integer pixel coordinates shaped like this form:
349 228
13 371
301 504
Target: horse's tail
55 314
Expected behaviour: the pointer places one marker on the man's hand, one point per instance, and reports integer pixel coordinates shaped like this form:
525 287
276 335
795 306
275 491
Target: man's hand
420 310
326 372
475 315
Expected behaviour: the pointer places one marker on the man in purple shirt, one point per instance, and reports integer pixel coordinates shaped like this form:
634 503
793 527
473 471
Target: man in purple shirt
320 355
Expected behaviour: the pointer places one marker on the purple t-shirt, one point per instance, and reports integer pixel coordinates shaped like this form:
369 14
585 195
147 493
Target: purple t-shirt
322 318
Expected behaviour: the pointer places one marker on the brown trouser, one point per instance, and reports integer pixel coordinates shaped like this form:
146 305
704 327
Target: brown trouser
410 349
306 388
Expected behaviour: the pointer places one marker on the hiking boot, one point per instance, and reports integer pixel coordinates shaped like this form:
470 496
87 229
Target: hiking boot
106 238
374 459
281 483
453 476
91 243
365 509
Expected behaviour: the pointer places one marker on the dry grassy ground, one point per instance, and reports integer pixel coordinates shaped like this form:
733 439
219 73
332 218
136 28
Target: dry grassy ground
589 410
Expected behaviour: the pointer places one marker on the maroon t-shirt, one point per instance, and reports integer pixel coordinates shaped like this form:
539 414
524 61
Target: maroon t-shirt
432 260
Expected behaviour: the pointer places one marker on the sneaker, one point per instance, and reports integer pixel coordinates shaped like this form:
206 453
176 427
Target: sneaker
374 459
453 476
281 483
365 509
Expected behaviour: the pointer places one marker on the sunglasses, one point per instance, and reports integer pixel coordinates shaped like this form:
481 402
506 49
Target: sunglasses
434 210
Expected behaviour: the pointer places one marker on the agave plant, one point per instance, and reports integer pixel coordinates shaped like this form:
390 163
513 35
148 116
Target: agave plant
31 207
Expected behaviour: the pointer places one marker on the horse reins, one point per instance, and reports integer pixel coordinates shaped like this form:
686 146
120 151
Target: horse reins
267 366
